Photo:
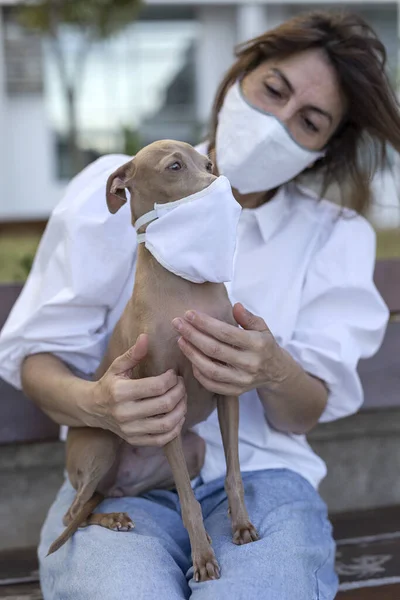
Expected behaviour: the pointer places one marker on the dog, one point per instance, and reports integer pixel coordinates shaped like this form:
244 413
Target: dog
93 455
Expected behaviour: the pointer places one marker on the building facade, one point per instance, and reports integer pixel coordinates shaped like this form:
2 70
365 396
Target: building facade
156 79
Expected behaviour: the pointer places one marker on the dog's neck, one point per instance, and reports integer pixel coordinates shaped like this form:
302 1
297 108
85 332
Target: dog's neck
152 277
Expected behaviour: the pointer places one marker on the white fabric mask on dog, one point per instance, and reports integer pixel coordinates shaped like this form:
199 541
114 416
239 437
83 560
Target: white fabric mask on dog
195 237
254 149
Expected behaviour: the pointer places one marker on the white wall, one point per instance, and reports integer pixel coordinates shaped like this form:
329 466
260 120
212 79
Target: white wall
30 189
214 53
28 186
251 21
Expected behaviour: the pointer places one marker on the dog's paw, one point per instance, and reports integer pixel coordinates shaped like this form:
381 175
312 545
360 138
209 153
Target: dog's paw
206 567
116 521
244 533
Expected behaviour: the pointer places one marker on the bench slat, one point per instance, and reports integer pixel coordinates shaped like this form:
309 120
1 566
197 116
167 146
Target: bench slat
20 419
380 375
18 565
387 280
8 296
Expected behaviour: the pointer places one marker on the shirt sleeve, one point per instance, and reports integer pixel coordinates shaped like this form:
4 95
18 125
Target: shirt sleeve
342 316
80 269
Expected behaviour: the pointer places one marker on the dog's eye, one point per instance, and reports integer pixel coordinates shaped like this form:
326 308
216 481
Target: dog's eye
176 166
209 167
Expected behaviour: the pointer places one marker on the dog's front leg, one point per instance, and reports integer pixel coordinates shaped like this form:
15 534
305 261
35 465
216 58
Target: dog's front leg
204 562
228 416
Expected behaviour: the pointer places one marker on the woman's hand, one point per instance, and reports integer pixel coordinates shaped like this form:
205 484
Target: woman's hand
144 412
227 360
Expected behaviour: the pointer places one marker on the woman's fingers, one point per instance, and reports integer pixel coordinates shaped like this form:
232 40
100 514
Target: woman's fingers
148 387
148 411
229 334
204 364
127 409
224 389
153 407
156 425
210 346
248 320
212 370
131 358
155 440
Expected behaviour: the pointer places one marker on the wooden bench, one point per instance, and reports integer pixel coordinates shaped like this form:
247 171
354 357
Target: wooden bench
360 535
20 420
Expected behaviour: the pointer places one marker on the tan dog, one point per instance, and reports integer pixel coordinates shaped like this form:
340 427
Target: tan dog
158 297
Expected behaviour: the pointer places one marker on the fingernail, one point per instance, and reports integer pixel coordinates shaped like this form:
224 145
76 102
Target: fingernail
190 315
178 324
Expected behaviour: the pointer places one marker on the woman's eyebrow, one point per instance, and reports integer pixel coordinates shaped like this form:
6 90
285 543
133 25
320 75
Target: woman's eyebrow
284 79
322 112
317 109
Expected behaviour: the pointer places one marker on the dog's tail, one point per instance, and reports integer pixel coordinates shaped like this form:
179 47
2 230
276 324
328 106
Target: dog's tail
83 514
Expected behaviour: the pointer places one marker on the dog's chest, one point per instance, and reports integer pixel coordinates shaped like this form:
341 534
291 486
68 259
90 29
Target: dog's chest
148 313
165 354
200 402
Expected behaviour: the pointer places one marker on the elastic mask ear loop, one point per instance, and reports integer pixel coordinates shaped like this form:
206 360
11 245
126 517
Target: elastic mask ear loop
144 220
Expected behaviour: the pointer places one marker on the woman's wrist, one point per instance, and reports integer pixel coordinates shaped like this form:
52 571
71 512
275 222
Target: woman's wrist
64 396
281 369
293 400
87 400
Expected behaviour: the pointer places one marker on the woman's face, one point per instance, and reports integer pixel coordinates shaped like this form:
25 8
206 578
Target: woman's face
303 92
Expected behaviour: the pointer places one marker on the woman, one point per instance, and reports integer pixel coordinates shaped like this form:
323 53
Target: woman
300 98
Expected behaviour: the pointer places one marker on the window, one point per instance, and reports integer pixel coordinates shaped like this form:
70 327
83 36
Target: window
23 58
136 87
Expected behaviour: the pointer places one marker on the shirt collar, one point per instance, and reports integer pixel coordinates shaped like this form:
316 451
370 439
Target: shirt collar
270 215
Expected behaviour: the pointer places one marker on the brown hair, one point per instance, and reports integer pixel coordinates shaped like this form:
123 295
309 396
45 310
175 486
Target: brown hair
359 146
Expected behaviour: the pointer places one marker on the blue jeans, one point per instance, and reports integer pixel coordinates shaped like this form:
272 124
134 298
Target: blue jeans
293 560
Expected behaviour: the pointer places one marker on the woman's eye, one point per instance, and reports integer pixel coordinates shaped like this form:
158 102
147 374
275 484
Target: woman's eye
310 126
176 166
273 91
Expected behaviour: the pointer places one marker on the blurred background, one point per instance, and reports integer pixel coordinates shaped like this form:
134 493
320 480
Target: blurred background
112 76
91 77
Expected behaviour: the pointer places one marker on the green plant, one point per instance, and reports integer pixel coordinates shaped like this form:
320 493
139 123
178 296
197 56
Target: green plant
16 255
25 263
131 140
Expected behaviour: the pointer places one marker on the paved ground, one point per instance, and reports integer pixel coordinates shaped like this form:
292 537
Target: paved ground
368 554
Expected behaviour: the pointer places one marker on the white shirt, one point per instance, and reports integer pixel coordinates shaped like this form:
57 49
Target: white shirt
306 270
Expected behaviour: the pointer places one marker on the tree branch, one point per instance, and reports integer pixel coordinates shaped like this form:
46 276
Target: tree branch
54 24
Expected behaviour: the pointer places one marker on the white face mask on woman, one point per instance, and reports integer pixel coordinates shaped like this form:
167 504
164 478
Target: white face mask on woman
254 150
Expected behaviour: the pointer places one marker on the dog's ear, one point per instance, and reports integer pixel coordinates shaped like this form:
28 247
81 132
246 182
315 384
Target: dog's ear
116 184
